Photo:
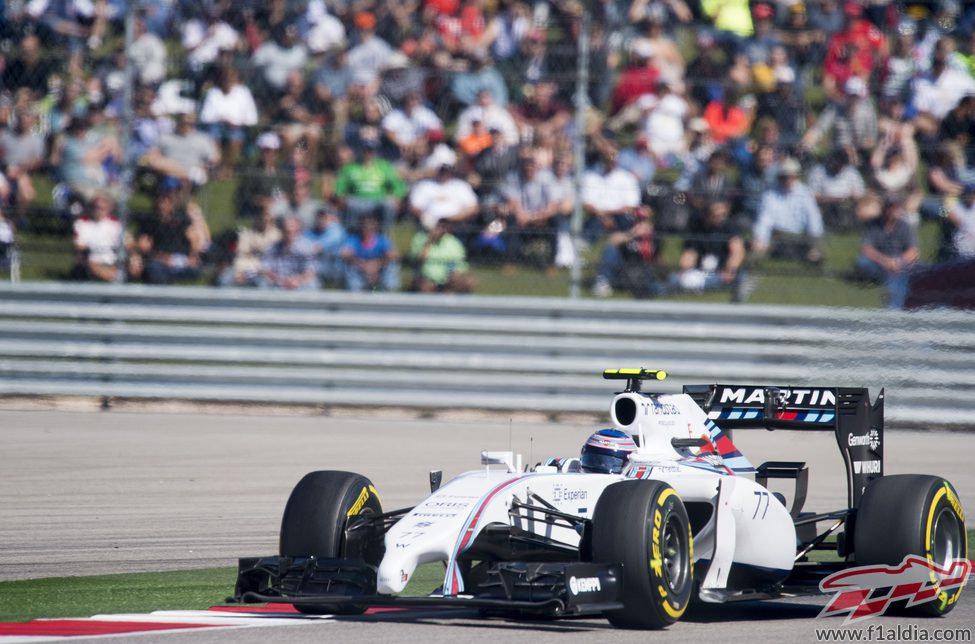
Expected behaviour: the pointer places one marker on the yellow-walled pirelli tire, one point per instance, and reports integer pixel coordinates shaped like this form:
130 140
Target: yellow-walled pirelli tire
912 514
643 525
315 517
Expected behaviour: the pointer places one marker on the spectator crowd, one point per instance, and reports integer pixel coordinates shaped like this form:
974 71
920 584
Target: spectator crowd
358 139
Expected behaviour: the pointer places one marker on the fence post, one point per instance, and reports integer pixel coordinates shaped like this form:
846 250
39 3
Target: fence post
579 149
128 162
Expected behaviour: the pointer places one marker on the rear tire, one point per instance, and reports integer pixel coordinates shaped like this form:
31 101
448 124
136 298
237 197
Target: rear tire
314 520
644 525
912 514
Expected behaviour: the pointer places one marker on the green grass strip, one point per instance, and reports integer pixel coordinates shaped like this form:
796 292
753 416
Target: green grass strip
150 591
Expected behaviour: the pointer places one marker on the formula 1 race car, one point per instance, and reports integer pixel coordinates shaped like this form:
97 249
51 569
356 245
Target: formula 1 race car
688 516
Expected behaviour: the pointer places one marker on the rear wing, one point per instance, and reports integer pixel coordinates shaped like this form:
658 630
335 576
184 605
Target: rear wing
857 423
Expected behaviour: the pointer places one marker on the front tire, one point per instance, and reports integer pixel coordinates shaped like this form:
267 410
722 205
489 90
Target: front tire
315 516
644 525
912 514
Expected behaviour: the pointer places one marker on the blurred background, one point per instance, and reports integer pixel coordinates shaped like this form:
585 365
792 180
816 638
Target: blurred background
789 152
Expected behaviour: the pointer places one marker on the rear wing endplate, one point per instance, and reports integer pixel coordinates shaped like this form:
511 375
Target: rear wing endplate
857 423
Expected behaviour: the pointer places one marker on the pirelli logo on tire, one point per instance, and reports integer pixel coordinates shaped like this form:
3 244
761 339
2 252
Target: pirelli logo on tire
361 500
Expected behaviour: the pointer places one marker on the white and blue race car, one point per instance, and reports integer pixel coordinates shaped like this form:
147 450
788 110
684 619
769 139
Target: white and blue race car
686 516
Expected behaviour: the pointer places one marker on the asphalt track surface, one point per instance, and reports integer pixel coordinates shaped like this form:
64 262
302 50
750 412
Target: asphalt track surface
89 493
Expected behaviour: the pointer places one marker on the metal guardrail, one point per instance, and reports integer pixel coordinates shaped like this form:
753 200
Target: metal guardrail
543 354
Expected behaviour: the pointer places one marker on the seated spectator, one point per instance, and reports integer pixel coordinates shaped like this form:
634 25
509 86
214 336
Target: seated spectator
97 236
713 255
367 59
370 259
443 197
328 236
186 153
408 127
837 185
253 242
713 181
888 252
848 122
290 262
300 204
491 114
638 159
279 56
758 177
441 261
82 156
204 38
789 222
467 86
369 186
542 113
940 90
786 107
169 242
664 124
726 119
227 109
492 165
895 161
531 203
30 69
609 197
299 116
856 50
22 155
269 179
961 215
147 53
8 247
638 79
630 260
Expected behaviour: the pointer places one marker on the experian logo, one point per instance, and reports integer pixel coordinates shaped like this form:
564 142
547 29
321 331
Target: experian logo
584 585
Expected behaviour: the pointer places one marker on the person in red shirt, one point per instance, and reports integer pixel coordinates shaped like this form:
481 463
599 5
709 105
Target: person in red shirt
636 80
857 50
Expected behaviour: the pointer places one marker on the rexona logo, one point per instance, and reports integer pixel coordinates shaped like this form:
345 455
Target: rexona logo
866 467
916 579
810 397
584 585
872 439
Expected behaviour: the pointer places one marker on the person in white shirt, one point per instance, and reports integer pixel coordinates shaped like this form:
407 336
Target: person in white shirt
609 198
283 54
96 240
408 126
939 91
203 40
369 57
147 53
961 215
492 115
324 31
228 108
444 197
664 124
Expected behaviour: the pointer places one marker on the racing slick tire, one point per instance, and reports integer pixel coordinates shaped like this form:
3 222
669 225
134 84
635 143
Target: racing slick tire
912 514
644 525
314 520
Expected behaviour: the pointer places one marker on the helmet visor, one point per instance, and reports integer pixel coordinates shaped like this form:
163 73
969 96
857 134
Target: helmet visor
601 463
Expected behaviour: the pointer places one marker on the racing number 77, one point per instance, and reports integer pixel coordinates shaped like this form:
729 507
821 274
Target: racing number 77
758 503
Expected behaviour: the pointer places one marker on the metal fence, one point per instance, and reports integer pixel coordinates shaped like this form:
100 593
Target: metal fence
225 106
470 352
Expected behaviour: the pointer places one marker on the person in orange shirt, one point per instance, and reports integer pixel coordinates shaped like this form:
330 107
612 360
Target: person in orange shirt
726 119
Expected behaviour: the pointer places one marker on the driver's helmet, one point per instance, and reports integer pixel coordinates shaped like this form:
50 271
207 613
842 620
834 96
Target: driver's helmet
606 451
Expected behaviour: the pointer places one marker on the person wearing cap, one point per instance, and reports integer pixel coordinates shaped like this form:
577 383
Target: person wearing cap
328 236
289 263
961 217
857 50
630 260
169 243
889 251
789 222
369 56
441 261
850 121
369 185
370 260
